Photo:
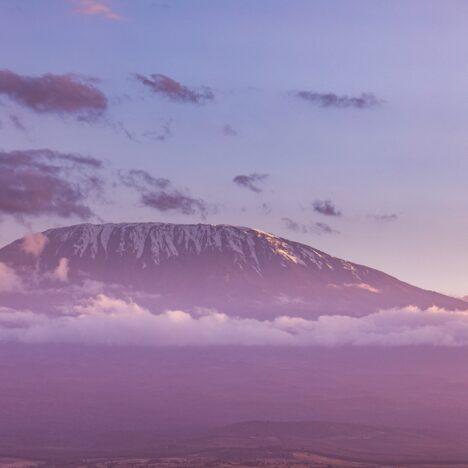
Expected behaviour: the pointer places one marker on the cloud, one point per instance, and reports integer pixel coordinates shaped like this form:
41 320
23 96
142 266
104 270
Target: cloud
108 321
59 94
363 286
34 243
158 193
119 127
96 8
175 201
250 181
163 134
325 207
228 130
324 228
9 280
175 91
317 228
46 182
142 180
364 101
384 217
266 208
17 122
294 226
61 272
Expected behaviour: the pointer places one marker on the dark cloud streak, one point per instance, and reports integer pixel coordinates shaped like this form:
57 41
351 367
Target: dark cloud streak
59 94
175 91
326 207
316 228
158 193
384 217
364 101
250 181
45 182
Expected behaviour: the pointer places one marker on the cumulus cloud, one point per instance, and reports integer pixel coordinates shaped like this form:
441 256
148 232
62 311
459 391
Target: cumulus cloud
363 101
159 193
34 243
105 320
61 272
325 207
9 280
38 182
250 181
59 94
175 91
96 8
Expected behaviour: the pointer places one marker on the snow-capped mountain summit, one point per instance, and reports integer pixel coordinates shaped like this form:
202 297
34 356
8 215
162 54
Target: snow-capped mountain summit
155 243
238 270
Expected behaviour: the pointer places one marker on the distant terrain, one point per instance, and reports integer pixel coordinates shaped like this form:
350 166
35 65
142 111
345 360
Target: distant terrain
233 406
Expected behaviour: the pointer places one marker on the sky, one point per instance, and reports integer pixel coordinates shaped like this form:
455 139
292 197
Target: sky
334 123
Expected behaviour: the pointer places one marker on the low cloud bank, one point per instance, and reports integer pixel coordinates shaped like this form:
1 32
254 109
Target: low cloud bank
105 320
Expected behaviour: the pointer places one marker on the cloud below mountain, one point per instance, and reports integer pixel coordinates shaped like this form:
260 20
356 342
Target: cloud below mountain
109 321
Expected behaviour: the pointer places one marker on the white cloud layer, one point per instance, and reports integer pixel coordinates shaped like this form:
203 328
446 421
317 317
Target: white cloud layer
104 320
9 280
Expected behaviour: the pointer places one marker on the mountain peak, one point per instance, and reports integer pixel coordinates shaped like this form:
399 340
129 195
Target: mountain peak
234 269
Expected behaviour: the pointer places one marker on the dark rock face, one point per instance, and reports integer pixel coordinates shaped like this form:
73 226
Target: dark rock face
237 270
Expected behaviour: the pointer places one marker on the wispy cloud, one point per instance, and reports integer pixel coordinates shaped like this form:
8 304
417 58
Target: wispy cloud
16 121
159 193
315 228
363 101
96 8
384 217
294 226
162 134
175 91
324 228
228 130
251 181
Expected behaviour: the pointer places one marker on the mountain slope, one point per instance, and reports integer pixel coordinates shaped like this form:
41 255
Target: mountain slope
238 270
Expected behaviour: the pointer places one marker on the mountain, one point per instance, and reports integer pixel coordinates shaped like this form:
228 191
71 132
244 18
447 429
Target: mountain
238 270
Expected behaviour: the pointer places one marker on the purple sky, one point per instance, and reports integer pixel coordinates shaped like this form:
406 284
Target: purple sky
339 124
